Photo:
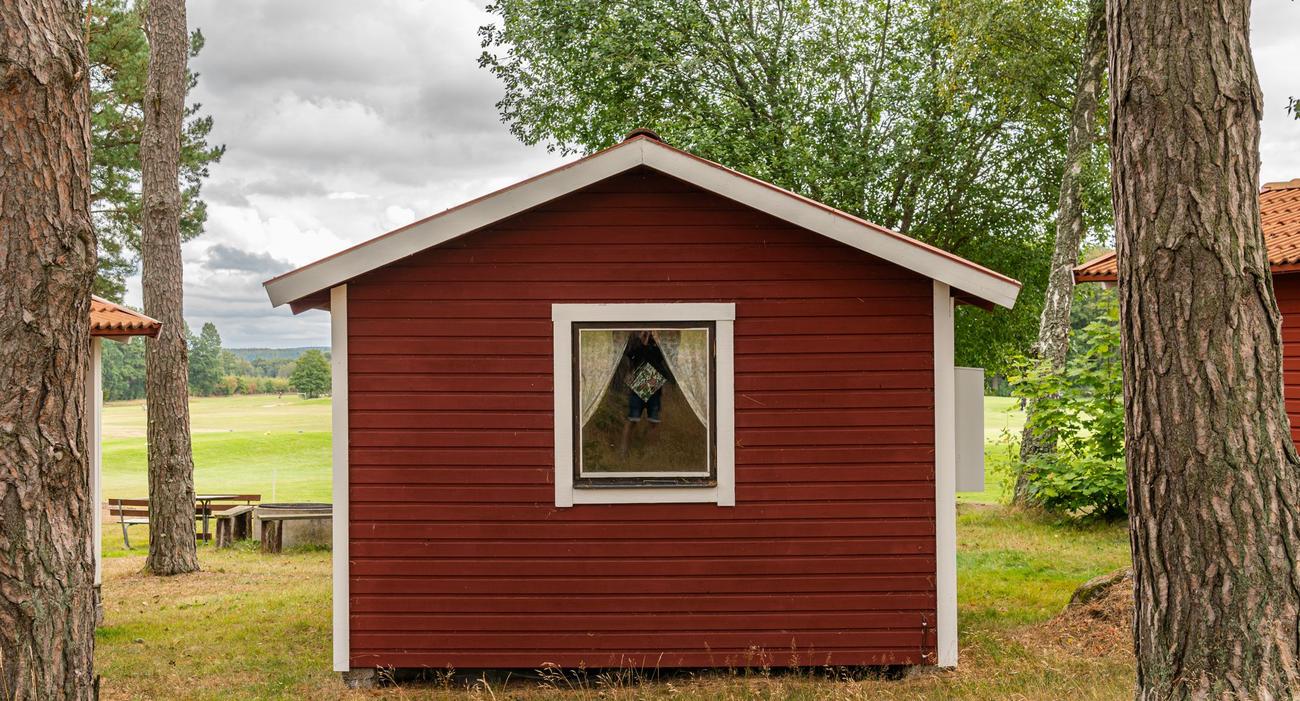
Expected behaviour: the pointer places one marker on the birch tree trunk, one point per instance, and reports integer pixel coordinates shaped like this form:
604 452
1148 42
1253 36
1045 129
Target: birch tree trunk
47 265
1213 489
171 464
1054 325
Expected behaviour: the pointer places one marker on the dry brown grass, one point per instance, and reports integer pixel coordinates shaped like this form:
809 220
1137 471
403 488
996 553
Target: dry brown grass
1101 627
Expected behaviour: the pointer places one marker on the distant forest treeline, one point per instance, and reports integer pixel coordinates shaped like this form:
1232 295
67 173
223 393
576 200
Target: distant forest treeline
214 371
289 354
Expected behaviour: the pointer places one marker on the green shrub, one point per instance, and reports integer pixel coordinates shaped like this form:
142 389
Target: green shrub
247 384
1083 409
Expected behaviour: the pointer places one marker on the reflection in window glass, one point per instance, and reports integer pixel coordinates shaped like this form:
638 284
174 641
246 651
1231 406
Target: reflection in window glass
643 400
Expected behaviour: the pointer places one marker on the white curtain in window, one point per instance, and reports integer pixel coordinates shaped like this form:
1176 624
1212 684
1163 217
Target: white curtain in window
600 352
687 353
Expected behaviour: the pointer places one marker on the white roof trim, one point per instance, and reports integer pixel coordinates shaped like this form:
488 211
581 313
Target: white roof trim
896 248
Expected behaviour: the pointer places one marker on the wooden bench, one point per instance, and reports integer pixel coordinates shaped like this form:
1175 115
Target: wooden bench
234 518
235 523
129 512
273 528
234 515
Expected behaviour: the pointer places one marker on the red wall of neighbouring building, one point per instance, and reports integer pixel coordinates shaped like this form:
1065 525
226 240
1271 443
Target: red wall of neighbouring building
1287 288
458 554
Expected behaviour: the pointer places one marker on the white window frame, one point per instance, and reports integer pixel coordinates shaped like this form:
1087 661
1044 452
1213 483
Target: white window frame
707 473
723 316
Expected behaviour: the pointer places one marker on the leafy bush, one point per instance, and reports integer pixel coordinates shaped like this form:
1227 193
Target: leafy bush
248 384
1082 408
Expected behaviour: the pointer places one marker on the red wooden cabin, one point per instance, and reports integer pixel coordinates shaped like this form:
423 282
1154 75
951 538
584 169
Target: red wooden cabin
1279 210
788 499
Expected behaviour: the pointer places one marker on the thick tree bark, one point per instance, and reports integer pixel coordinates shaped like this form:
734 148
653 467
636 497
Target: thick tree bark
1054 325
171 464
1213 489
47 265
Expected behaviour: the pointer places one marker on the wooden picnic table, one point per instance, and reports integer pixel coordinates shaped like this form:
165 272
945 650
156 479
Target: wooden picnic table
205 503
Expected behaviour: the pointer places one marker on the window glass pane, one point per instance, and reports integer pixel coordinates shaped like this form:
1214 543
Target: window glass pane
644 399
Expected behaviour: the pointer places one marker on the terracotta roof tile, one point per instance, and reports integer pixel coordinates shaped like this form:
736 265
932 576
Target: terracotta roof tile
1279 211
109 319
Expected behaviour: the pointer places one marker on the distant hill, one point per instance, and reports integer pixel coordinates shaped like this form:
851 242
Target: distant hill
251 354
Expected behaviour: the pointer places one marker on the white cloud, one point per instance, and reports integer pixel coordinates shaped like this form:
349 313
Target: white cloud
342 121
1273 44
346 120
399 216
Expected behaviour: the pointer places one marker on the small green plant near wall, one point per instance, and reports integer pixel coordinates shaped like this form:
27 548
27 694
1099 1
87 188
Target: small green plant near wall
1083 408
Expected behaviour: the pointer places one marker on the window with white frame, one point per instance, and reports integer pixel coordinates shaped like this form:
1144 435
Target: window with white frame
644 403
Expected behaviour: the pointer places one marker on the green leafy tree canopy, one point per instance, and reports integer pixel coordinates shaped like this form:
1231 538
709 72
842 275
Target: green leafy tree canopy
942 119
311 375
1082 406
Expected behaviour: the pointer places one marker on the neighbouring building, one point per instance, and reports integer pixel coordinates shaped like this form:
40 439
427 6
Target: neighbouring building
108 321
1279 212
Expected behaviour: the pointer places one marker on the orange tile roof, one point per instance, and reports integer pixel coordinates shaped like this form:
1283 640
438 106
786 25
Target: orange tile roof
1279 213
108 319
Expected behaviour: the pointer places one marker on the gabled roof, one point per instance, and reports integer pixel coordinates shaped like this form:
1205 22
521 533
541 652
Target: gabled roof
1279 214
644 149
115 321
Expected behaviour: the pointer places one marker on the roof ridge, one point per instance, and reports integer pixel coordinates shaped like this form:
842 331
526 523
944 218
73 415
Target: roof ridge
1279 209
1292 184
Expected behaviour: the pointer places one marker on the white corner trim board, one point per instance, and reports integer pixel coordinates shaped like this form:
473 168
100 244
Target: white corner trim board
945 478
563 317
94 430
339 445
641 151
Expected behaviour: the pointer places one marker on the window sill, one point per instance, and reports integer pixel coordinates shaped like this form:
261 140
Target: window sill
629 484
646 495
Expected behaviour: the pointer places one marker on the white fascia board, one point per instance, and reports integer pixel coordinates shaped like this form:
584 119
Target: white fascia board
452 223
788 207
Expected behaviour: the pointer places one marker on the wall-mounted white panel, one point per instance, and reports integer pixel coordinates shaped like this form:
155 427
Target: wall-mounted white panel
970 429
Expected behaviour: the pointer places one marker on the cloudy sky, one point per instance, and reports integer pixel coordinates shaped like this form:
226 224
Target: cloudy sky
346 120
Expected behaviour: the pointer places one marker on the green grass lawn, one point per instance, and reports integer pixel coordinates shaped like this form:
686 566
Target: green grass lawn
280 448
276 447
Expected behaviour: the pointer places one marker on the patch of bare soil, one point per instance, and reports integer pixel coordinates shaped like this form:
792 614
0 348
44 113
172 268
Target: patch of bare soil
1097 622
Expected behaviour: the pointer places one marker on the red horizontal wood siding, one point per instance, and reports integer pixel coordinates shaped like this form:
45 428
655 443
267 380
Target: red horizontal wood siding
458 554
1287 288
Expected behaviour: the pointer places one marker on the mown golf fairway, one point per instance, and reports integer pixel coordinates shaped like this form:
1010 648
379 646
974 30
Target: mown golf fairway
280 447
276 447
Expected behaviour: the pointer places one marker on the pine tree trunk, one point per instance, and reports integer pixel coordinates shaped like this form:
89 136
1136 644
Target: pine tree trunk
47 265
1054 325
171 464
1213 488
